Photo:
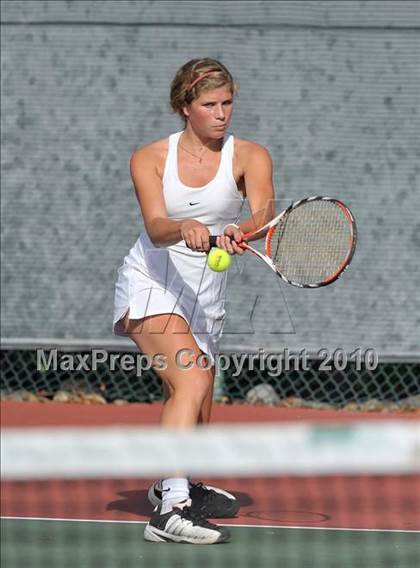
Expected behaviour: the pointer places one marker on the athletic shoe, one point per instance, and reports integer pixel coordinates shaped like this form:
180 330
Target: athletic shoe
211 501
183 525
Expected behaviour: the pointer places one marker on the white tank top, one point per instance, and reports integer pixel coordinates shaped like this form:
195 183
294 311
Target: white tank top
215 204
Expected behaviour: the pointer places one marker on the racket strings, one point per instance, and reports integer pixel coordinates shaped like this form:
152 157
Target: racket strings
311 244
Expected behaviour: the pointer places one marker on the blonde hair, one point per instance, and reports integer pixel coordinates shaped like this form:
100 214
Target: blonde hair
195 77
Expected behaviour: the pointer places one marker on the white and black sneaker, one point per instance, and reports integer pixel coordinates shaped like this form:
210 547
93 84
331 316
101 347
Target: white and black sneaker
212 502
183 525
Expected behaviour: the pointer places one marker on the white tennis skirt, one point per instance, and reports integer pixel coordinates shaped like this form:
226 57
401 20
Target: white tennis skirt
169 281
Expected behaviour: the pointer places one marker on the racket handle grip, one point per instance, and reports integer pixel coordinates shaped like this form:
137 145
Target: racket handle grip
213 241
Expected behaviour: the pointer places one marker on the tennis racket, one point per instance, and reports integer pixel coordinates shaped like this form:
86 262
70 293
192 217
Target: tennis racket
310 244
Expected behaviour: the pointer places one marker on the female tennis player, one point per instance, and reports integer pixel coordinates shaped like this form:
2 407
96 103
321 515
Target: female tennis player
167 300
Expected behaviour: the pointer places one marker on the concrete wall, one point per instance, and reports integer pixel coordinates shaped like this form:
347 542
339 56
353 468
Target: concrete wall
331 88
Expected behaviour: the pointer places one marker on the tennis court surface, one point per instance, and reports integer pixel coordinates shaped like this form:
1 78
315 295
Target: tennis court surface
312 494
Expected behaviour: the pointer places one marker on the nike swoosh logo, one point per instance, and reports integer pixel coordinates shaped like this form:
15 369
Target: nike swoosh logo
191 203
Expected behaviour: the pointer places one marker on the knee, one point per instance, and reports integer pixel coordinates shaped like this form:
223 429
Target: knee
195 387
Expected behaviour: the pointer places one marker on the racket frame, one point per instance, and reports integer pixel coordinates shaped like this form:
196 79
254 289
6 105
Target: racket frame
271 226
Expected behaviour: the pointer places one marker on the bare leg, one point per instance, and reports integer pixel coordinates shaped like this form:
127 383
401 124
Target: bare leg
205 412
188 391
188 399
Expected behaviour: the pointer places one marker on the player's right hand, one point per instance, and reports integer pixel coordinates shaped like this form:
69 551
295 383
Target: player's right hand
196 235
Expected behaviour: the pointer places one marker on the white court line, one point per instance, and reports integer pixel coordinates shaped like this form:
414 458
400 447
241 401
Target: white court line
221 524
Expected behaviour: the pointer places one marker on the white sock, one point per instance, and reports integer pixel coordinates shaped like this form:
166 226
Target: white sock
158 483
174 491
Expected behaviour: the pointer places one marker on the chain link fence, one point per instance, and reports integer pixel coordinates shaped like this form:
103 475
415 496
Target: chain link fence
74 376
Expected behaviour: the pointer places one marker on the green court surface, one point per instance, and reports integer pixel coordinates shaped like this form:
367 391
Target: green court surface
85 544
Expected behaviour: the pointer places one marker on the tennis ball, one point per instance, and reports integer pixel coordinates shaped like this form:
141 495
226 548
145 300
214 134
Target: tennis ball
218 260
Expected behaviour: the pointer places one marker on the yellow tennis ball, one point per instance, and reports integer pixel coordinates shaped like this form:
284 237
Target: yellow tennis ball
218 260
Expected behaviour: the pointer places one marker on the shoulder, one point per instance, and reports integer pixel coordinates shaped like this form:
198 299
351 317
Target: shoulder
250 153
152 154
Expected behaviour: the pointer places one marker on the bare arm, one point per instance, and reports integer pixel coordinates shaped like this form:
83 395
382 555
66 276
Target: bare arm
148 187
258 176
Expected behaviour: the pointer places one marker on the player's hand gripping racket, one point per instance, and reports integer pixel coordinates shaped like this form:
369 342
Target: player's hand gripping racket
310 243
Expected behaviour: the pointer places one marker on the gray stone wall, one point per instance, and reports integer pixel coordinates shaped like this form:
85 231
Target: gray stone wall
332 89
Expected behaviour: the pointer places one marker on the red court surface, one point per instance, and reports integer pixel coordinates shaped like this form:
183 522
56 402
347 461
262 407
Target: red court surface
26 414
362 502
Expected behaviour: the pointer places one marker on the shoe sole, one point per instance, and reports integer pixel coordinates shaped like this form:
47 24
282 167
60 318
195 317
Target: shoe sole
152 534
